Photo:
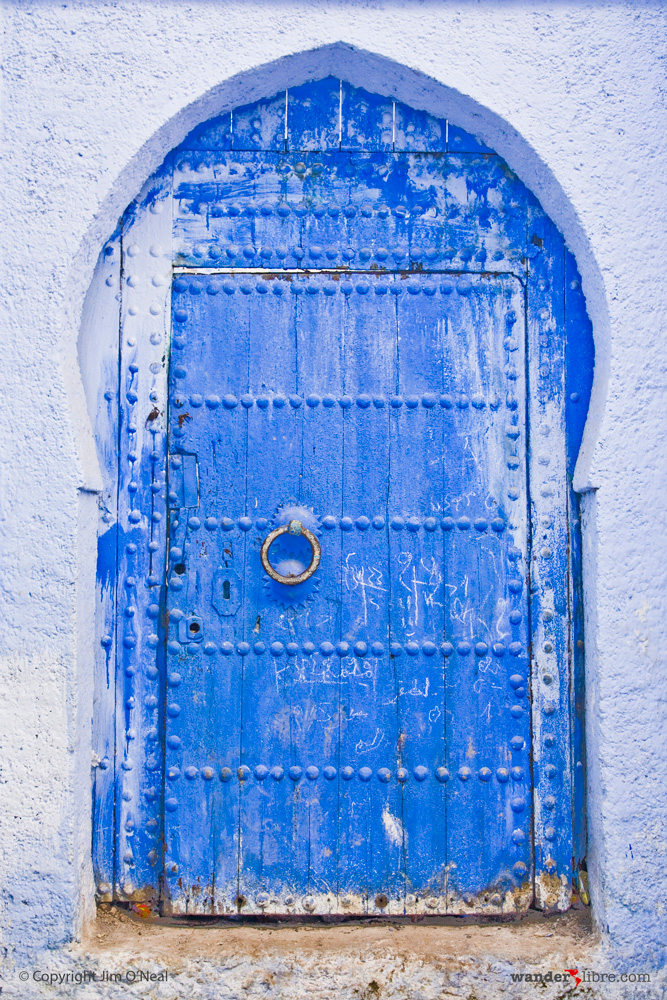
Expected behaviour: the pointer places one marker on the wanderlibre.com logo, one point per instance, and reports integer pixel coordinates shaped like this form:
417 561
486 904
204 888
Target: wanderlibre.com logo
577 977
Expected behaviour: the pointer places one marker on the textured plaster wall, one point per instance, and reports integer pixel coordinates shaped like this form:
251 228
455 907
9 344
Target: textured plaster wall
95 94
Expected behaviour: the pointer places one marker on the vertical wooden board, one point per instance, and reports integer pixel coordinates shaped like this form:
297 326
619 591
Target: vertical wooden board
226 833
314 746
191 769
369 732
275 433
367 120
487 741
371 815
387 889
275 422
421 708
486 486
209 376
260 125
297 854
191 835
100 319
313 115
320 346
314 676
369 365
420 345
208 439
418 132
268 874
417 465
515 625
460 141
417 598
192 764
188 882
216 133
145 239
355 835
551 675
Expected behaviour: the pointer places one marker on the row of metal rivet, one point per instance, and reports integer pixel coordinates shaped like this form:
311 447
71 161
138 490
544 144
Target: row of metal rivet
429 400
363 523
359 649
347 773
318 209
306 284
381 901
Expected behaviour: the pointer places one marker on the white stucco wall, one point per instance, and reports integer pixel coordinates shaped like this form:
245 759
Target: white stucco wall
95 94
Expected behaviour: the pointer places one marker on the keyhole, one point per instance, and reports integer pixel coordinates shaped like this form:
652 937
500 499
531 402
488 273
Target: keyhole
194 627
226 590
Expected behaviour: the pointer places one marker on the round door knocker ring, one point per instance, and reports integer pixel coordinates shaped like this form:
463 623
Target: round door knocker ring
293 528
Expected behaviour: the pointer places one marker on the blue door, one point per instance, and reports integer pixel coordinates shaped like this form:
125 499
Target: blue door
356 741
343 412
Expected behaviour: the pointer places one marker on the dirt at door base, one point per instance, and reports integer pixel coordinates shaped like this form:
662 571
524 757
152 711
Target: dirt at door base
372 961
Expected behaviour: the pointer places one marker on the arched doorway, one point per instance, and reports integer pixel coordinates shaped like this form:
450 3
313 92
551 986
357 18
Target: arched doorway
346 324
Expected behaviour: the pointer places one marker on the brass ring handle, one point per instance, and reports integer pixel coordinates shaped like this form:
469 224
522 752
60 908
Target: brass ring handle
293 528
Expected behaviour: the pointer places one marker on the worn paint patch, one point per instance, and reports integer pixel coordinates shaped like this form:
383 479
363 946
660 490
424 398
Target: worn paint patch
393 828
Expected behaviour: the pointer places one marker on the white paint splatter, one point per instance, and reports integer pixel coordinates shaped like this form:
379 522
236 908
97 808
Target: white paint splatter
393 828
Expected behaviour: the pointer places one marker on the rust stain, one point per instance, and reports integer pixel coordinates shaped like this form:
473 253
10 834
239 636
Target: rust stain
552 892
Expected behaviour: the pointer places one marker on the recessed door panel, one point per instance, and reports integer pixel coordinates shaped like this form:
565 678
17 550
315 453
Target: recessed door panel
357 742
